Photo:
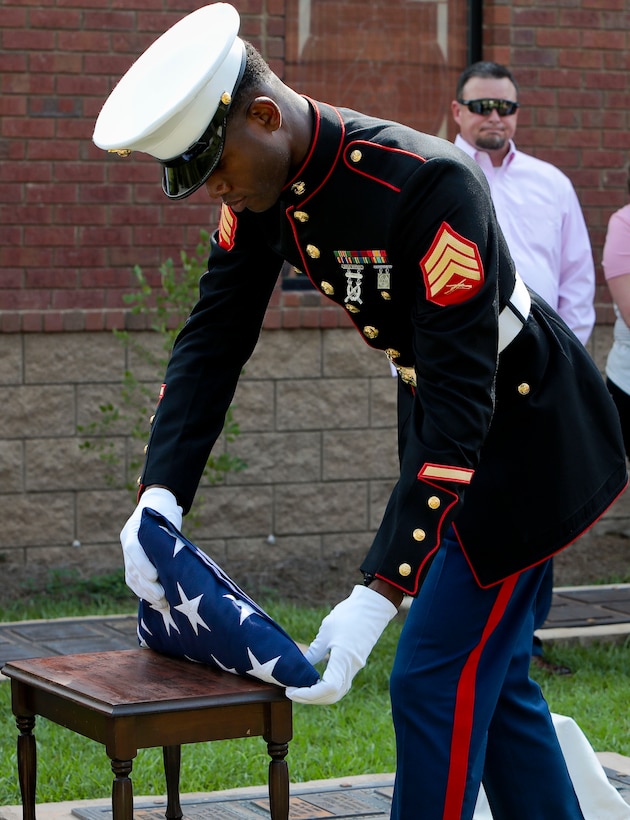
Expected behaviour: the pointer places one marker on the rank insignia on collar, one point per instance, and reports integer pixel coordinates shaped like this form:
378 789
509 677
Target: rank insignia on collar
227 228
451 268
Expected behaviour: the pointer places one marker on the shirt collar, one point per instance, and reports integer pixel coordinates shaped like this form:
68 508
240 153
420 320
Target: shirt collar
482 158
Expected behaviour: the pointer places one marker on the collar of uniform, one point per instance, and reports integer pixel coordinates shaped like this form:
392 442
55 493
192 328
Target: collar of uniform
323 153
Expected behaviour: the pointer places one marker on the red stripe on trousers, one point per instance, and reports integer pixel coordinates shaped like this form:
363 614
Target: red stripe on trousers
465 708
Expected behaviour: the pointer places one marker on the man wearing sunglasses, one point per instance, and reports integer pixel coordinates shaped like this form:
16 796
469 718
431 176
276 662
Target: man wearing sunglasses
536 204
540 215
397 229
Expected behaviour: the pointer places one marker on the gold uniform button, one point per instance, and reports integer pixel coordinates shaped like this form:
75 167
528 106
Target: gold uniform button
434 502
313 251
419 535
356 156
523 388
327 288
146 449
152 419
404 570
370 331
352 308
392 353
386 295
298 188
139 480
301 216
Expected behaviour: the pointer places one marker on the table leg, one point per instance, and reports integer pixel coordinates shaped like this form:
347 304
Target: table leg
278 781
122 790
27 764
172 763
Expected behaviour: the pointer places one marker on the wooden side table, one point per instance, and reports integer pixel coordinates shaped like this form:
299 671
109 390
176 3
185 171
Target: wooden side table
134 699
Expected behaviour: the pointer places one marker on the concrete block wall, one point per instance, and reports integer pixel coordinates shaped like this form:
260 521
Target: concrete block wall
317 415
316 411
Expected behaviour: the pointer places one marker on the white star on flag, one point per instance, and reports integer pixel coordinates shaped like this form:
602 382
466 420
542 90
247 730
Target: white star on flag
165 612
178 545
246 610
262 670
190 607
222 666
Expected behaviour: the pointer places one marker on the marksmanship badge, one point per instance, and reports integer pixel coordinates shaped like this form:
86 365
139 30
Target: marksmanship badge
353 264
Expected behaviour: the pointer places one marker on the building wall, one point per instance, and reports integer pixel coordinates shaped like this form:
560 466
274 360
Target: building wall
316 415
316 410
572 63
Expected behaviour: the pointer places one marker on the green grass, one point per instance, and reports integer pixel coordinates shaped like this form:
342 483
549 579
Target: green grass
64 594
352 737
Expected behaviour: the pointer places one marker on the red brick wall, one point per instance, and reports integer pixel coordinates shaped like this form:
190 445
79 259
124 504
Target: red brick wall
572 62
74 222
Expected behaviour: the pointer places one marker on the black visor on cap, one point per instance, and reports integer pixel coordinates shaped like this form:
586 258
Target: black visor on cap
184 174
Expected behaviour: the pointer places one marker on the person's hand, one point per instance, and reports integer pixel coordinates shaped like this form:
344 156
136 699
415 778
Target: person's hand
140 574
349 632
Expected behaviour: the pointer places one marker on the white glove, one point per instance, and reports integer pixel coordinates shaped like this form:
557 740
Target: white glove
350 632
140 574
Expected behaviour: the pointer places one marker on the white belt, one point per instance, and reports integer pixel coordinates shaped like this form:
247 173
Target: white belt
511 321
514 314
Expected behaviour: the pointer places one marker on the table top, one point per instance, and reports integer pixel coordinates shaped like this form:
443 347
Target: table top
136 678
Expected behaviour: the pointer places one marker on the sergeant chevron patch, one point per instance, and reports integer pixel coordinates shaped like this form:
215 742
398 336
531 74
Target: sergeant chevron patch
227 228
451 268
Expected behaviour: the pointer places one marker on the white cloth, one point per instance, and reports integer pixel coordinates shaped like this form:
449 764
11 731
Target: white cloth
598 798
543 224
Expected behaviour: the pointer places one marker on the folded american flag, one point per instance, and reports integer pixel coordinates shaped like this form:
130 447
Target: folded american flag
209 618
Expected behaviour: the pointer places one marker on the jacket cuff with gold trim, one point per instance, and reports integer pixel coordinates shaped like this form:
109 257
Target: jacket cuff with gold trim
412 539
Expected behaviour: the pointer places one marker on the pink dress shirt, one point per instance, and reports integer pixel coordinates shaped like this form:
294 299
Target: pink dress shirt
542 221
616 262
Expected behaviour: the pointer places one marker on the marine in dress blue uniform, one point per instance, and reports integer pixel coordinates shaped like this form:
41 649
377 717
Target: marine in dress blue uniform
509 443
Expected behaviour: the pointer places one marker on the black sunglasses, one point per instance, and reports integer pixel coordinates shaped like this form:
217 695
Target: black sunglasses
484 107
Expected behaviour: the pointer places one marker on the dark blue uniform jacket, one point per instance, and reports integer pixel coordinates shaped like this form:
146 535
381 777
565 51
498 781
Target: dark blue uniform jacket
520 450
